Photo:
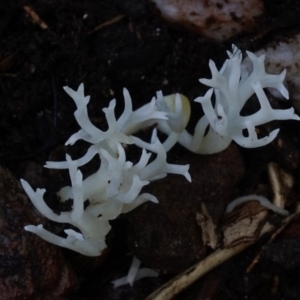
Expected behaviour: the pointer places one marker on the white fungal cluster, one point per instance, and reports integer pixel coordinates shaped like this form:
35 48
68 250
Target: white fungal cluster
232 87
117 185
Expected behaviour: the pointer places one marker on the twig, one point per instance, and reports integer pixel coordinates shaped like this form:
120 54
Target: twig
35 17
284 224
185 279
281 183
107 23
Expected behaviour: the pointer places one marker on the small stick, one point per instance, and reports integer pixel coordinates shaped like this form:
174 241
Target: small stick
35 17
284 224
185 279
280 182
107 23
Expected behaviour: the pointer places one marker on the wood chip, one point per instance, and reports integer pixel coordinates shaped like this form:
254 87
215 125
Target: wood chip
208 228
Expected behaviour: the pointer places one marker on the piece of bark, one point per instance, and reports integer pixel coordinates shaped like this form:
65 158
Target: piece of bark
208 228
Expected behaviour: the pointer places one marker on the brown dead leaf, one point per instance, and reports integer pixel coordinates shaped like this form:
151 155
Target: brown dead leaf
244 224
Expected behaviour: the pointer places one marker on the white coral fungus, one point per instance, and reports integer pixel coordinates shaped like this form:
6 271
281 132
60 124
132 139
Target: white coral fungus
116 187
232 88
261 199
134 274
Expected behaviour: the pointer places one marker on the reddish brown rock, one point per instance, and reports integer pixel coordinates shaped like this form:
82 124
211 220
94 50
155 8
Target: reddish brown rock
30 268
166 236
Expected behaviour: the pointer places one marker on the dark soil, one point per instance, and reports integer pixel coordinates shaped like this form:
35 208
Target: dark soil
135 49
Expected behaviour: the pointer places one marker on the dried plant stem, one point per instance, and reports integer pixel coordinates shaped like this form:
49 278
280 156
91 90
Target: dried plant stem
107 23
287 221
35 17
185 279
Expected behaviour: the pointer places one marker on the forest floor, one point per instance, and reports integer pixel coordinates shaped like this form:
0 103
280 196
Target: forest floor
109 45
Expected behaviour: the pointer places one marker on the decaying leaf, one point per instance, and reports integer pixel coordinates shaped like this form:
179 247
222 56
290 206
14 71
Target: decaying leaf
244 224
